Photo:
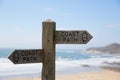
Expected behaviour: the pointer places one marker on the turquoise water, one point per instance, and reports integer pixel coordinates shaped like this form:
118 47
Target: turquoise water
4 52
73 54
60 54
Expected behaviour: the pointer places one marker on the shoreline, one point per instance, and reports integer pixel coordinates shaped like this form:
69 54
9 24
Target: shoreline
112 69
98 65
96 75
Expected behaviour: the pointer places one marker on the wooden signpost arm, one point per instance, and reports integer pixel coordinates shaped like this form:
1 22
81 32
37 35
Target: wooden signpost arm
48 44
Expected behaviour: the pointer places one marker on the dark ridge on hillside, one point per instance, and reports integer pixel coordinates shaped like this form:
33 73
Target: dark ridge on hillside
112 48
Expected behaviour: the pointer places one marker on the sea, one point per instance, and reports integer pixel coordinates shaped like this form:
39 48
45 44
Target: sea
67 62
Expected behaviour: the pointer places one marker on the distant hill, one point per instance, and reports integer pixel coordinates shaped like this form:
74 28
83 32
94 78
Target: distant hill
112 48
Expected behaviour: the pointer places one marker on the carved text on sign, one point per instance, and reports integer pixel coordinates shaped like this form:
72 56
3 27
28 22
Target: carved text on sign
26 56
72 37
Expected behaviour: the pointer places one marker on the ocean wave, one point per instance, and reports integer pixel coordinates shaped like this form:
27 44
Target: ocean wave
63 64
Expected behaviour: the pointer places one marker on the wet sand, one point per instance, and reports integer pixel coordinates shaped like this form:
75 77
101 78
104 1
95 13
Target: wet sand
96 75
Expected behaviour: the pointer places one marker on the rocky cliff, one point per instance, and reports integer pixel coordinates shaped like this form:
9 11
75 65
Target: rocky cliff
112 48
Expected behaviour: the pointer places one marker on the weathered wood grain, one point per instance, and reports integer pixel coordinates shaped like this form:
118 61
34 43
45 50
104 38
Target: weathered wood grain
48 44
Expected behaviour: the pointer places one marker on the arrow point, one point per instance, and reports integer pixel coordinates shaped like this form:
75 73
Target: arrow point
11 57
89 36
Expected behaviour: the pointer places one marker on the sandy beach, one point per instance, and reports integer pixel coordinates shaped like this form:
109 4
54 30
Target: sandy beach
97 75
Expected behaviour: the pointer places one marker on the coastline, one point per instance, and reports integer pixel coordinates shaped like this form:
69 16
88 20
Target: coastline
76 66
69 70
96 75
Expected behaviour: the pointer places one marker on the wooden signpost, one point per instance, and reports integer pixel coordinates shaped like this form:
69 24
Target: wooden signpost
46 55
26 56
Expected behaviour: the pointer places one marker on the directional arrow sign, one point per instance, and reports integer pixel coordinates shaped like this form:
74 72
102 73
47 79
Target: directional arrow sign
72 37
26 56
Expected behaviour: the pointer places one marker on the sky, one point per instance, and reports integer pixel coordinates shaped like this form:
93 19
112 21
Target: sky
21 21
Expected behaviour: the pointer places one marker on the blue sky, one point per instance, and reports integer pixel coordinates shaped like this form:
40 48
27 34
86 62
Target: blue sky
21 21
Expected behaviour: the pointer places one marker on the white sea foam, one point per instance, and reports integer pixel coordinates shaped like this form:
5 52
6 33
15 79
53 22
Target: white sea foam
68 51
8 69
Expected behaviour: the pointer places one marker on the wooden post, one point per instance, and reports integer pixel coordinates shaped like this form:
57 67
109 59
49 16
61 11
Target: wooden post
48 44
